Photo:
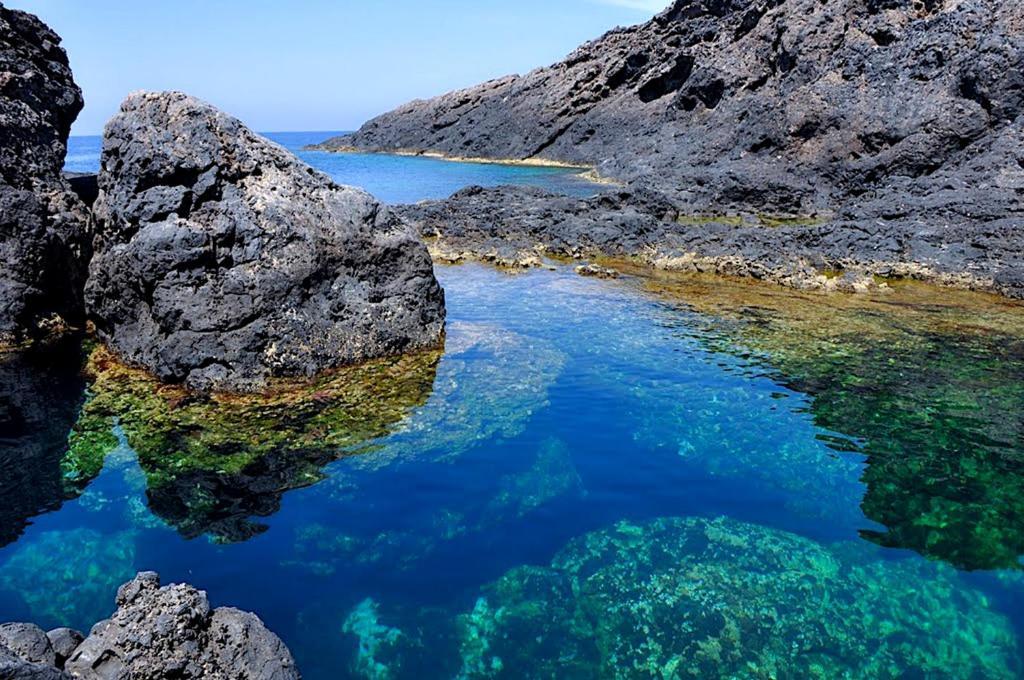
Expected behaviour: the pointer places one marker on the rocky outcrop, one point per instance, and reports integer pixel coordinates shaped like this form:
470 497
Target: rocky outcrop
893 128
223 261
517 226
169 632
43 239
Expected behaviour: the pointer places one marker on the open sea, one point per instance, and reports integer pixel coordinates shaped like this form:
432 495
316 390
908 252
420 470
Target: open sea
657 476
392 179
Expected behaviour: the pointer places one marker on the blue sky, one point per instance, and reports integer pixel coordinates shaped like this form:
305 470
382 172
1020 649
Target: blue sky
313 64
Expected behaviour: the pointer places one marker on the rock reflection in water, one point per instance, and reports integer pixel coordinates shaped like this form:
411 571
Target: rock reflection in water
212 463
927 384
40 393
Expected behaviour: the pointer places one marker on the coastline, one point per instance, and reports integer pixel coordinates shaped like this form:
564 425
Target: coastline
587 172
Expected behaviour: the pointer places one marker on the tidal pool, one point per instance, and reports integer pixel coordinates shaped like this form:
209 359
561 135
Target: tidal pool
657 476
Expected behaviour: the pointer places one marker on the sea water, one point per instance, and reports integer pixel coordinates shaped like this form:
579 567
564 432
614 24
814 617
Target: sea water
655 476
392 179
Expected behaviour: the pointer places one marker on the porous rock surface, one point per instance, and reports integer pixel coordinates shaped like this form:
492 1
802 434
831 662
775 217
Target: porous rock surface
892 128
43 224
172 632
223 261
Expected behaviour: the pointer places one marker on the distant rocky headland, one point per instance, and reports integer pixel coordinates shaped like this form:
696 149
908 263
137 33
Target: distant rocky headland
788 140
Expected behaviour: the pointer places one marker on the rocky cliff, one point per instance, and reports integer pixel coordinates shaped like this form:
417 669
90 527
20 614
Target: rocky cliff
43 240
896 123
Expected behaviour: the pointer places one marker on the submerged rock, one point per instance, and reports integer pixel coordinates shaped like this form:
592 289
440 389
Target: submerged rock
681 598
68 576
43 224
223 261
173 632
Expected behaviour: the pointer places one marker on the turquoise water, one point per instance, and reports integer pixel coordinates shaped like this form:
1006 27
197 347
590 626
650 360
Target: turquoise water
656 476
392 179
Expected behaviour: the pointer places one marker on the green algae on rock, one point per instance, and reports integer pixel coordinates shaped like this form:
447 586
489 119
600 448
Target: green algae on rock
70 577
212 461
678 598
919 380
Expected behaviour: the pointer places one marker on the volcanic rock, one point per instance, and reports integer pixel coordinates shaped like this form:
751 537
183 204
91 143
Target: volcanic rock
223 261
172 632
43 224
882 135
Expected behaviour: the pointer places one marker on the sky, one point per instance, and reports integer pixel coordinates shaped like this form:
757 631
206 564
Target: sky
313 64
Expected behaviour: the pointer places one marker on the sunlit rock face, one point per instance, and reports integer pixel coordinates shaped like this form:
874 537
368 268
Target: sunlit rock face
918 381
223 261
680 597
212 463
40 394
789 137
43 239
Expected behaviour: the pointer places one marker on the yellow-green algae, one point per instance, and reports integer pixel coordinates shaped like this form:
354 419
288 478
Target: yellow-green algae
695 598
211 461
928 383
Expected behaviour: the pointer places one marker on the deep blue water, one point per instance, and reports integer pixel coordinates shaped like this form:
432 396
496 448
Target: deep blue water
646 477
392 179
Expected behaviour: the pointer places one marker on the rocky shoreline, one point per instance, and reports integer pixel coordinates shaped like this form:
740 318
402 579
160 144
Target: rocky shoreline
787 140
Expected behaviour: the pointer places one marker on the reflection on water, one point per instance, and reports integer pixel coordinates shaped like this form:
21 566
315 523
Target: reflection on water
40 394
654 476
932 390
212 463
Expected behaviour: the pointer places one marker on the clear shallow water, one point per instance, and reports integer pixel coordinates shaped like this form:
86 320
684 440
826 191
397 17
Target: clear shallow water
392 179
645 477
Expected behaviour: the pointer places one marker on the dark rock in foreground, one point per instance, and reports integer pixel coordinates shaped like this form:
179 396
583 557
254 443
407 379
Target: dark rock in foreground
882 135
168 632
43 224
224 261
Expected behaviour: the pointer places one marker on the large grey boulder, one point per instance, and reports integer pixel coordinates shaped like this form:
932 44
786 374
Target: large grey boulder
43 224
172 632
223 261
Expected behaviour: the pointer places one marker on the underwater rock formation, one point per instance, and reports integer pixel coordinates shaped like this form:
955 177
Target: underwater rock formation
717 598
47 573
223 261
43 224
881 135
41 391
212 462
172 632
491 381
